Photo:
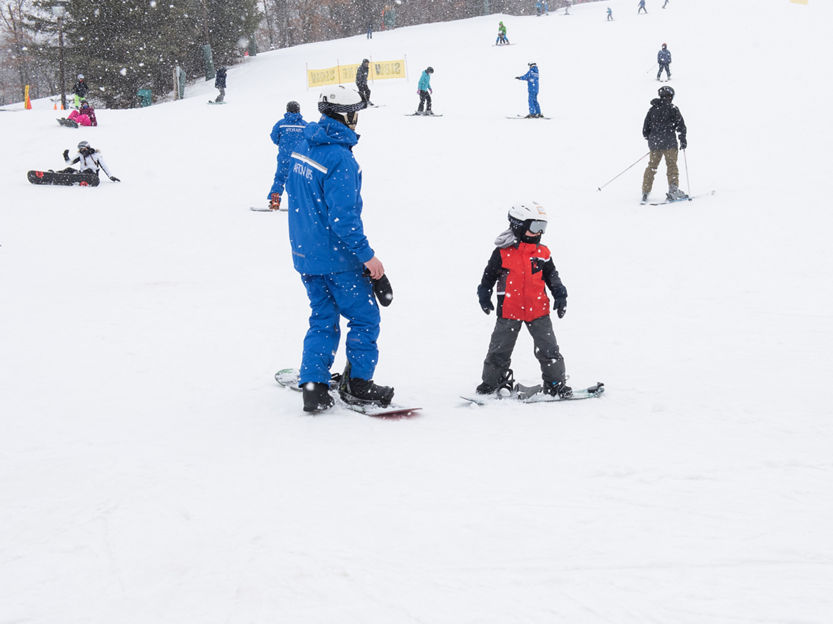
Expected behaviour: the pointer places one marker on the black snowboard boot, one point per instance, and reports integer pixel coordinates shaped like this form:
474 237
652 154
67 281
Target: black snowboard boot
507 382
558 389
317 397
644 197
365 391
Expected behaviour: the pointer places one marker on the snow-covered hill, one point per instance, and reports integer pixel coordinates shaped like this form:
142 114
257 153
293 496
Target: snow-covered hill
151 471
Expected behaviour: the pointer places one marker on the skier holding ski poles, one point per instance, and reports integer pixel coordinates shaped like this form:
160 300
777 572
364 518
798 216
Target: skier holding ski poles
662 124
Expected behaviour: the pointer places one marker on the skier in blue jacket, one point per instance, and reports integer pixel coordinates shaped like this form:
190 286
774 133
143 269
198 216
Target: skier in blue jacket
531 78
285 134
664 60
332 254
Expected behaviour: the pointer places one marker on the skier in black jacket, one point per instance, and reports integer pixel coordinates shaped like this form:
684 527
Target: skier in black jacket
662 125
220 84
361 81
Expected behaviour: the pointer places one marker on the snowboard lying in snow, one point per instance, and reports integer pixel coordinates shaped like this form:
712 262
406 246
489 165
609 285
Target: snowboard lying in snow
289 378
67 123
63 179
534 394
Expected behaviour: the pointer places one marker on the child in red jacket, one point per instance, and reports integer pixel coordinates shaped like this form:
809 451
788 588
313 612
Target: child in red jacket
523 269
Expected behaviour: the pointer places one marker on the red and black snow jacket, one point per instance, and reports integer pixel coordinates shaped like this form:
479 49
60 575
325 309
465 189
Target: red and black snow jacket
523 271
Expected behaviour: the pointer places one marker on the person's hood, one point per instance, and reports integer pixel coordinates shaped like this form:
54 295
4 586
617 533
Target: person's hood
293 117
328 131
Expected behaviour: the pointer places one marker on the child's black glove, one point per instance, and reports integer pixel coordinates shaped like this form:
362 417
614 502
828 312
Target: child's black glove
66 154
485 296
562 310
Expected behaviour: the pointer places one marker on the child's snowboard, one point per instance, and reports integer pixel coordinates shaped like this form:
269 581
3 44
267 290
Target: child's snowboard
289 378
62 179
67 123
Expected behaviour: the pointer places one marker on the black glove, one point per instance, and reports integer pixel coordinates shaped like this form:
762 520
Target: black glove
683 144
381 288
383 291
561 306
114 179
485 296
66 154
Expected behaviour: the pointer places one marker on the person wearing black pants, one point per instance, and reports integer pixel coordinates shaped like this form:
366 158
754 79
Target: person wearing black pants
361 81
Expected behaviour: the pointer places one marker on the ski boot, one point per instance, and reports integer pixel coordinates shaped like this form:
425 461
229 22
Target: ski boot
675 194
504 386
557 389
317 397
363 391
644 197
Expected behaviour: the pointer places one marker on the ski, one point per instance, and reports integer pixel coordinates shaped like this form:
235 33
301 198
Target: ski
534 394
525 117
288 378
677 201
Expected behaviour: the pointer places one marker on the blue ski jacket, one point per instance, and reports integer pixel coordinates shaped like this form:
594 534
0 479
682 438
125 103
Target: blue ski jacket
325 203
424 81
288 131
532 79
664 57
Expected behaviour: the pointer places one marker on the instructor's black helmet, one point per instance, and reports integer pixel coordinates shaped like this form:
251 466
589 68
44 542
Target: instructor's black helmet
293 107
666 93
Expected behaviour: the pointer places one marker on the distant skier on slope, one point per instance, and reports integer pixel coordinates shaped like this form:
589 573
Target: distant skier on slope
523 269
88 159
531 78
424 90
501 35
361 81
662 125
220 84
664 60
80 90
285 134
333 255
641 8
609 14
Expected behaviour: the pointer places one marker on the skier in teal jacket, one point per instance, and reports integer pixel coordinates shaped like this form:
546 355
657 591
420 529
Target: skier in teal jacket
424 90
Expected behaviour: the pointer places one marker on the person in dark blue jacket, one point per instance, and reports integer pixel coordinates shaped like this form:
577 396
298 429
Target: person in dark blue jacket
333 256
285 134
664 60
220 84
531 78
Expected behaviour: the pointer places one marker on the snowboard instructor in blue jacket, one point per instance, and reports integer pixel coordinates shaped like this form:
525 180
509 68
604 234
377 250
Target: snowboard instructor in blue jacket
531 78
285 134
333 256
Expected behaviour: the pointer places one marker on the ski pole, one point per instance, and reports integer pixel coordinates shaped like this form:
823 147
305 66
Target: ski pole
623 171
687 181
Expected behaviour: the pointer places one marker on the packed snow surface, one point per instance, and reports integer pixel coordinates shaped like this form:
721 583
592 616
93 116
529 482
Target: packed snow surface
151 471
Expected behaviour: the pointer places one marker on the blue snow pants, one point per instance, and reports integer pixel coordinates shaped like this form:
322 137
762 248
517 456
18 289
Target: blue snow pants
281 174
348 294
534 108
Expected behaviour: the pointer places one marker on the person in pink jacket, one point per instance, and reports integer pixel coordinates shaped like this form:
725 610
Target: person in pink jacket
84 116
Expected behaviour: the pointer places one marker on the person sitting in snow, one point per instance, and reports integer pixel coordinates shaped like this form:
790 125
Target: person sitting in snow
89 160
523 269
84 116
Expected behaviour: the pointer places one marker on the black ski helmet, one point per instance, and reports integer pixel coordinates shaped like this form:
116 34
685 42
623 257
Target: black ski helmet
429 69
293 107
365 61
533 64
666 93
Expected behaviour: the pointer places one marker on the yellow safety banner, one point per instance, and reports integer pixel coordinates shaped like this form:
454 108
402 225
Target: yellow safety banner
342 74
799 1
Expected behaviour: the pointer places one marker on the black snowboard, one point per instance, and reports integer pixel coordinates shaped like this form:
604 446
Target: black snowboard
67 123
62 179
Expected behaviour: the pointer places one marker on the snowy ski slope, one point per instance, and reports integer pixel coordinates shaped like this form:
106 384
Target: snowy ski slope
152 472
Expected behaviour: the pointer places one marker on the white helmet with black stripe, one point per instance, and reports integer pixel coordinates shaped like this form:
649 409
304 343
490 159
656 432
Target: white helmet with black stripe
341 103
